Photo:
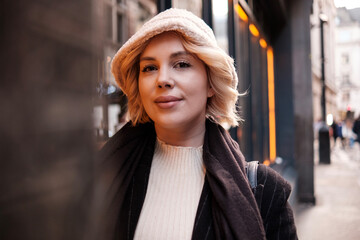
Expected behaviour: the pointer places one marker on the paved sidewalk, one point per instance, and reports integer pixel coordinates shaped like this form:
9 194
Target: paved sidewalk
336 214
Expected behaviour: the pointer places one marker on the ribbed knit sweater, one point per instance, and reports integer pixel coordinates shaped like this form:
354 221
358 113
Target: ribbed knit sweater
173 193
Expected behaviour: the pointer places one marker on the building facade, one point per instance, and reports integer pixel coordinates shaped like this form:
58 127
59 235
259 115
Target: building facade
323 9
348 61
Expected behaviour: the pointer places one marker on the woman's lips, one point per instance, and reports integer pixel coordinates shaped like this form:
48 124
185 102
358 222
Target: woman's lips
167 101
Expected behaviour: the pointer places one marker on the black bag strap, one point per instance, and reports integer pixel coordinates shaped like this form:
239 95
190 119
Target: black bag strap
251 172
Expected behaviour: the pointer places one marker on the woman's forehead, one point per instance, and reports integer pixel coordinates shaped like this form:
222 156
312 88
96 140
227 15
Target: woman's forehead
166 39
170 42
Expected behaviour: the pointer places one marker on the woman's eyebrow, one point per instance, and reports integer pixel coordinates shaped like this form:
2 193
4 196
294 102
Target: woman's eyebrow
147 59
180 53
173 55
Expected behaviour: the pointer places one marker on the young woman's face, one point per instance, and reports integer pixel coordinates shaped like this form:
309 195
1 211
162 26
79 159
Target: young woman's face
173 84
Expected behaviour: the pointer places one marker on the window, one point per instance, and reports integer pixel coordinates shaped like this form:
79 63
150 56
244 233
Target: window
345 58
346 97
108 22
119 28
114 21
344 36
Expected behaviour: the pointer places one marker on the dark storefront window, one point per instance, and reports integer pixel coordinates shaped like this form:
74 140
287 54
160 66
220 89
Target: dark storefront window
256 134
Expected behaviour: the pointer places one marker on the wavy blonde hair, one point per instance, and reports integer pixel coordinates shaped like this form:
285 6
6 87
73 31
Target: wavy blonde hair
221 107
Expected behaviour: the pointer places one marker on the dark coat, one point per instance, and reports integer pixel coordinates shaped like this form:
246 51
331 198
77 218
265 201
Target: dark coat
228 208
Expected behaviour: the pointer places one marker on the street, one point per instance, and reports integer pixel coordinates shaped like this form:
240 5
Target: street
336 214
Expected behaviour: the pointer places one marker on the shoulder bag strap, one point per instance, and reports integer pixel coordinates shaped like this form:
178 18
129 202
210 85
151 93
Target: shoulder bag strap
251 172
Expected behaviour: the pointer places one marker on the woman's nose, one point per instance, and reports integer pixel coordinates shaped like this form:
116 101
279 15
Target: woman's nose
164 78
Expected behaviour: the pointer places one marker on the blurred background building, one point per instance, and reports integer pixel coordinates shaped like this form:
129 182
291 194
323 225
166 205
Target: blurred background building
120 20
347 70
325 9
341 46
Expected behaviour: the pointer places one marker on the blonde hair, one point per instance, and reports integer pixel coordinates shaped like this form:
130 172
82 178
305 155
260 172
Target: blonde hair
221 107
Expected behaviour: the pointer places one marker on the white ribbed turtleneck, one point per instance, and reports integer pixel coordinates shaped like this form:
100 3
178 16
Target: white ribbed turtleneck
173 193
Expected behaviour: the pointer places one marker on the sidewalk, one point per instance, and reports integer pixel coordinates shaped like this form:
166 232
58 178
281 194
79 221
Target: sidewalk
336 214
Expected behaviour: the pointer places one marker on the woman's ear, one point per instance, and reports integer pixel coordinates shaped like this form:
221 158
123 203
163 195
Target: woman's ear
211 92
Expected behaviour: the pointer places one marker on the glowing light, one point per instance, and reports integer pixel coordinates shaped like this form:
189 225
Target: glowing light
254 31
220 7
241 13
329 119
266 162
262 43
271 97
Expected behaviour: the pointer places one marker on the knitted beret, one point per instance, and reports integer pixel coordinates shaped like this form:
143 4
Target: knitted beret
179 20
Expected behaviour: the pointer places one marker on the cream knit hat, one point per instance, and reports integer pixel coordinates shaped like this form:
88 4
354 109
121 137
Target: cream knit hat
173 19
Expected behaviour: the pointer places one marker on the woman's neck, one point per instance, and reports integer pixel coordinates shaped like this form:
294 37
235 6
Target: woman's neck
192 136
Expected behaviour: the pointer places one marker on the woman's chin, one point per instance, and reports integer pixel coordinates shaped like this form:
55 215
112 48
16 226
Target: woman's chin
178 123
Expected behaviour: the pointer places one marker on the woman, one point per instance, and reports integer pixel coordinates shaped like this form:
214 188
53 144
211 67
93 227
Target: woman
173 172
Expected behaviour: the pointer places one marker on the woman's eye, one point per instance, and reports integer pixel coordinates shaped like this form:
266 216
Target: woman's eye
149 68
182 65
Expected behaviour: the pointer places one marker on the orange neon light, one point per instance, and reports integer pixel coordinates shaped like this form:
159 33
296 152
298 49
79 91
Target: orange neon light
241 13
271 96
254 31
262 43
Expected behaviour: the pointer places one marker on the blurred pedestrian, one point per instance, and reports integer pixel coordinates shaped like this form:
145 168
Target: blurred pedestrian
356 129
317 126
174 172
348 135
334 127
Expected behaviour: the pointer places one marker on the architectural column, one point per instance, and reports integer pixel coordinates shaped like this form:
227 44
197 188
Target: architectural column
293 97
48 71
302 95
